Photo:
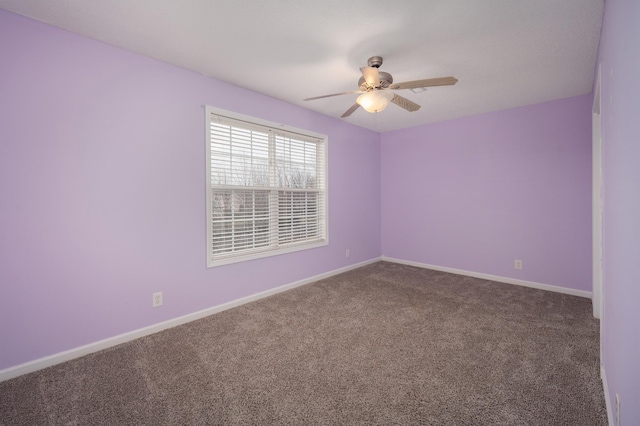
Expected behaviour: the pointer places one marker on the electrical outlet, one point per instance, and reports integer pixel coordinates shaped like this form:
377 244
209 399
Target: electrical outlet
157 299
518 264
617 410
347 253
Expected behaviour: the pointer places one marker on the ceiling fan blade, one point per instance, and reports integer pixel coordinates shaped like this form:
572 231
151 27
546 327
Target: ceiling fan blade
429 82
334 94
350 110
371 76
405 103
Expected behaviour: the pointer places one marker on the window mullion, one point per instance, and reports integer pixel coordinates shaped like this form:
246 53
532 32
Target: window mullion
233 220
273 193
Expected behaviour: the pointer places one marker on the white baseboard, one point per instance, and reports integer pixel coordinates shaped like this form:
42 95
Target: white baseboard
48 361
607 400
571 291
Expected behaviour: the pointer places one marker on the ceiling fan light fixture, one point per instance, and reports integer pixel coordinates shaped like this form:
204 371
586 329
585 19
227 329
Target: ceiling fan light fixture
375 101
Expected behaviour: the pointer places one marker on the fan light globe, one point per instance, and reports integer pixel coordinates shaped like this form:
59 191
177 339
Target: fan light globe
375 101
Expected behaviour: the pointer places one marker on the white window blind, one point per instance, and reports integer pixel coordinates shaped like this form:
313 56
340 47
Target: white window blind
266 188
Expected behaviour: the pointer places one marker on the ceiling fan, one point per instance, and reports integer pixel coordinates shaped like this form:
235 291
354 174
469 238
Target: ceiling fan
376 89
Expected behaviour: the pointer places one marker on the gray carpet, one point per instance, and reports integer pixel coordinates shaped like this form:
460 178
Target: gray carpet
384 344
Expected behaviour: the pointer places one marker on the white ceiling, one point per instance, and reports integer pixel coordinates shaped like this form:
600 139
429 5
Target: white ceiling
505 53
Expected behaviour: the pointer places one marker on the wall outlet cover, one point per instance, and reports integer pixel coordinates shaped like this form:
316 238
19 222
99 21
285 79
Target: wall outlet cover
157 299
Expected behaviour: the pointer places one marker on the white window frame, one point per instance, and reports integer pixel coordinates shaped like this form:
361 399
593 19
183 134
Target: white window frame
274 248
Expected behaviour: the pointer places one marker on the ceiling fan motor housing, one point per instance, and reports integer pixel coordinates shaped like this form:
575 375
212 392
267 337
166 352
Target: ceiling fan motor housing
385 81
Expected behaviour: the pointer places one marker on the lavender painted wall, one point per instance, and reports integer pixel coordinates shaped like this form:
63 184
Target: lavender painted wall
102 191
477 193
620 106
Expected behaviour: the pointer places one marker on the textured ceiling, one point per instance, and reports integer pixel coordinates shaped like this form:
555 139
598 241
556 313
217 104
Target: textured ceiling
505 53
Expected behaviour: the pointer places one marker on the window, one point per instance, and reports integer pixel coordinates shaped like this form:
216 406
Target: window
266 188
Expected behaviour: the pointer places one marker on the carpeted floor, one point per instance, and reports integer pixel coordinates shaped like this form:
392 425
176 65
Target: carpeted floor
385 344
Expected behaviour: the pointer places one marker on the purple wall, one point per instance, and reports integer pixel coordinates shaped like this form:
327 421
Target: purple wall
102 185
620 106
477 193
